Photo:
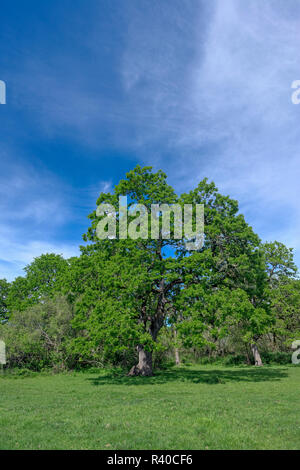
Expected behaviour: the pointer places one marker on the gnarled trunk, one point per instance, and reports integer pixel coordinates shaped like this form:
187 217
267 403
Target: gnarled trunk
256 355
144 366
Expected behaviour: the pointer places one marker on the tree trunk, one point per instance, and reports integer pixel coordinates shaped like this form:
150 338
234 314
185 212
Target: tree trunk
177 357
248 356
144 366
256 355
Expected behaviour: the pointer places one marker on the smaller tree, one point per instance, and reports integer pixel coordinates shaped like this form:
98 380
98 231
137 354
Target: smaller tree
42 278
43 274
282 289
285 305
279 262
40 336
209 316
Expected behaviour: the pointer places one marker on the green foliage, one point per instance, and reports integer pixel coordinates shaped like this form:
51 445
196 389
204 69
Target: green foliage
277 357
285 304
96 309
42 279
125 301
40 337
279 262
140 289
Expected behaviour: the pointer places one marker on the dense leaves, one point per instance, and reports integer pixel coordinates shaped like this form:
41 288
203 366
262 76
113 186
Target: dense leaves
145 296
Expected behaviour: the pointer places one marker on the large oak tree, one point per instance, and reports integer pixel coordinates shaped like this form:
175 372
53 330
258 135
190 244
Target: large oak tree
134 287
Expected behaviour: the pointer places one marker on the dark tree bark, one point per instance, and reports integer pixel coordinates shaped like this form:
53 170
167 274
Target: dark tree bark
144 366
248 355
256 355
152 325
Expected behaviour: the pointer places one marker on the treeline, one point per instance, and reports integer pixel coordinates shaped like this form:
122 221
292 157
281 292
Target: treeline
138 302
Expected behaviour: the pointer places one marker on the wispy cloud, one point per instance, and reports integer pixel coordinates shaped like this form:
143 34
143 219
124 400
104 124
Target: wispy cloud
197 88
15 255
231 117
32 209
28 195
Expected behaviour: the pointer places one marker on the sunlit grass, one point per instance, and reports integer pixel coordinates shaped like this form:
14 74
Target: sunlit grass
201 407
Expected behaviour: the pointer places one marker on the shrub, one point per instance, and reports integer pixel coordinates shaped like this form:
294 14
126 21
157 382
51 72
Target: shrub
39 337
276 357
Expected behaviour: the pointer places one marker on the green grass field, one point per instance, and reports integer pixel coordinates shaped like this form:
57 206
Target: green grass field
200 407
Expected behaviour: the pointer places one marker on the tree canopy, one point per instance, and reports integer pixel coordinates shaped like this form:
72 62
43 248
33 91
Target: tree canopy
126 293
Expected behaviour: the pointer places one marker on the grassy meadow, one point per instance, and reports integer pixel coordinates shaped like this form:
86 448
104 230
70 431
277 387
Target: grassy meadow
196 407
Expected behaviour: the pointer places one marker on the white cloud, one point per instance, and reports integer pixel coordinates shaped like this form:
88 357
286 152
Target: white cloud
14 255
33 208
206 92
242 87
228 114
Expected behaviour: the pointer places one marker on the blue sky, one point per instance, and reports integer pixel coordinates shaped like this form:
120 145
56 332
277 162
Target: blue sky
197 88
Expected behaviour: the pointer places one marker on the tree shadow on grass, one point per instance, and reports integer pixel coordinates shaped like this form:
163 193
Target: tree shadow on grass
214 376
